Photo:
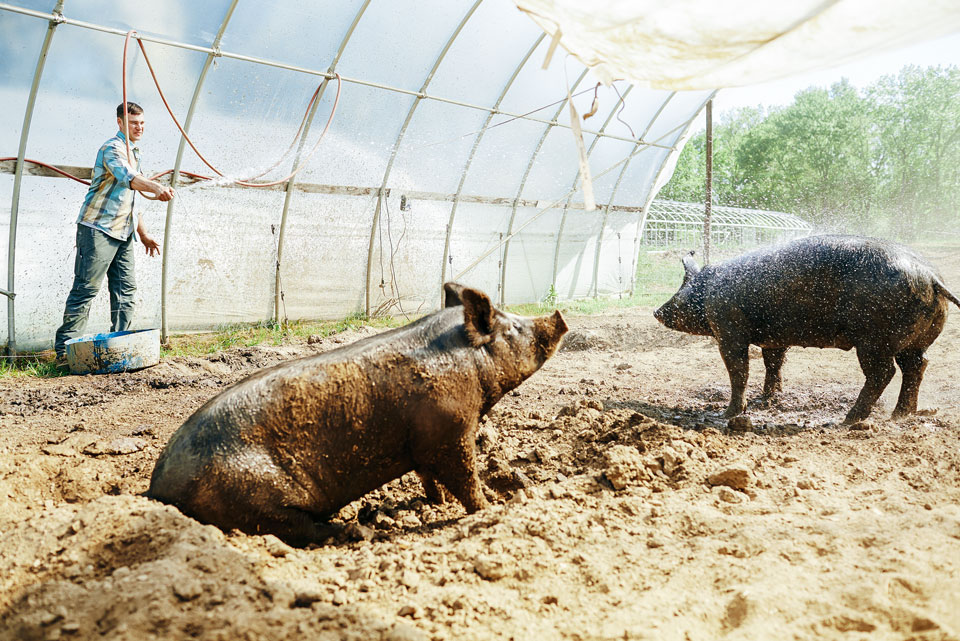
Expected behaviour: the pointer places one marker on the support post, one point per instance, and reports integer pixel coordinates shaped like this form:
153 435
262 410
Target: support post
707 213
502 297
469 162
175 177
18 176
288 188
384 191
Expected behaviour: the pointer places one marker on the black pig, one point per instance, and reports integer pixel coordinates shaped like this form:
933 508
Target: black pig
821 291
282 450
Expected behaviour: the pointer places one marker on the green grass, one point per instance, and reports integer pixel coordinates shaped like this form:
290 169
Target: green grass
587 306
658 277
248 335
39 365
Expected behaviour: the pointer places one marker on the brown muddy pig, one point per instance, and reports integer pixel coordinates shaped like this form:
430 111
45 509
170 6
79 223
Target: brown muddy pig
287 447
872 295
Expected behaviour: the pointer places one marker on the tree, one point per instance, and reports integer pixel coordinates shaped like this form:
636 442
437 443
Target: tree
688 181
918 147
811 158
884 161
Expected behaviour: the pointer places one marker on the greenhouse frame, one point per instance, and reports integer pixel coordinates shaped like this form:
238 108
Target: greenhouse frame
458 140
425 175
672 223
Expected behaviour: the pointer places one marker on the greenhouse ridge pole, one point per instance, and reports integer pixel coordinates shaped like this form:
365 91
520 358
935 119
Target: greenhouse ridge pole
523 183
18 177
473 152
168 222
383 193
278 290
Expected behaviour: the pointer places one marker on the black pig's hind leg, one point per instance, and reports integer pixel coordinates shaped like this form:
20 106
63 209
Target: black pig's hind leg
912 365
879 369
773 358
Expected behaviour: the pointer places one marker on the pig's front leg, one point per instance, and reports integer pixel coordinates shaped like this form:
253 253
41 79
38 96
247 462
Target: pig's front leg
735 356
432 487
452 461
773 359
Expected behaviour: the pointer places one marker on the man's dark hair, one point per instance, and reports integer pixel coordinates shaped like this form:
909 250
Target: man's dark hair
132 108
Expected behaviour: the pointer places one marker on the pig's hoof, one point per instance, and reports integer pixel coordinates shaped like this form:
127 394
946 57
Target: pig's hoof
855 416
900 414
769 399
740 424
734 411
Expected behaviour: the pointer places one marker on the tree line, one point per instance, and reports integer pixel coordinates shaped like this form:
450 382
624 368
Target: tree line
883 160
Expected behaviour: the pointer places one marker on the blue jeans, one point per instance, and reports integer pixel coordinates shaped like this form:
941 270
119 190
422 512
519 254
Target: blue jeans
99 254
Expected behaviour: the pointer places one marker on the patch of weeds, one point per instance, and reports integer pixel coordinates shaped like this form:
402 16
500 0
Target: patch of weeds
34 365
270 332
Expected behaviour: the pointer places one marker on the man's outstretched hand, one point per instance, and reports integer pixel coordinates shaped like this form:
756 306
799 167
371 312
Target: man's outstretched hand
164 193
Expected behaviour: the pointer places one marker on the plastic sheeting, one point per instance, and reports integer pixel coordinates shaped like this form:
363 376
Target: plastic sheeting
450 156
698 44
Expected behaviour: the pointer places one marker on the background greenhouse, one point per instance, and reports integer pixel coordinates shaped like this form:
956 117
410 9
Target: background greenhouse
451 153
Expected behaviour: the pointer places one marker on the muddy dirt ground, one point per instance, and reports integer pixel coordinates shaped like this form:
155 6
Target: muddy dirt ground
627 509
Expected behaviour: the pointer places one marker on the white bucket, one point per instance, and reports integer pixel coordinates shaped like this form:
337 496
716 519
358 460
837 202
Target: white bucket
114 352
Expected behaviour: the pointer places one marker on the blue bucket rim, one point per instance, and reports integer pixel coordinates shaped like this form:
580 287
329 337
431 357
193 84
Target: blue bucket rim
105 336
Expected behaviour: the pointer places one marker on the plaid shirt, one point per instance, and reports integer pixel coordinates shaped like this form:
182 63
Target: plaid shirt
109 202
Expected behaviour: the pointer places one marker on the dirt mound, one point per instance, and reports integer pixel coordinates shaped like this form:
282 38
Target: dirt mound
624 506
91 569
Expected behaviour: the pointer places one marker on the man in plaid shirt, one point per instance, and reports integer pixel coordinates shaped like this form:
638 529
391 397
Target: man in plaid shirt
105 233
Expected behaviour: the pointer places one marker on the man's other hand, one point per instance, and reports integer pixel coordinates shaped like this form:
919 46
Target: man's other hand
150 245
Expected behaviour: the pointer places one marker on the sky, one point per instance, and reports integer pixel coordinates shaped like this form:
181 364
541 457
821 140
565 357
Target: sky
942 51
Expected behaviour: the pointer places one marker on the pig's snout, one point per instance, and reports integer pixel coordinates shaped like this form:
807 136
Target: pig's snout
658 314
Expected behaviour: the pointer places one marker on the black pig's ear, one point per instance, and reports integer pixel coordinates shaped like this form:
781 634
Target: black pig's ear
477 316
451 294
690 267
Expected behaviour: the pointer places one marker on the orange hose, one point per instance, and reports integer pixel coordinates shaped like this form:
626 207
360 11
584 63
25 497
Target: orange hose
50 167
126 115
87 182
190 142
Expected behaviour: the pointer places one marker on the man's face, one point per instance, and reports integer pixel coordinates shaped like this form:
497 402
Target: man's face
136 126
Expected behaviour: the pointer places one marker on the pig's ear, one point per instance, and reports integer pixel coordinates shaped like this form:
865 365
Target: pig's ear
690 267
452 294
477 316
